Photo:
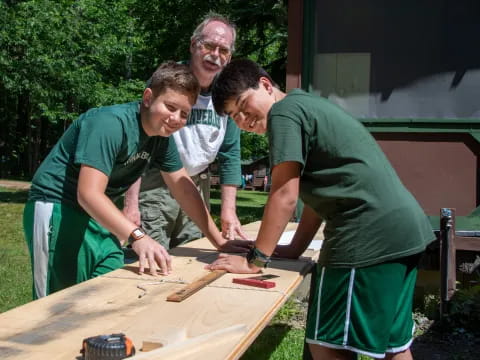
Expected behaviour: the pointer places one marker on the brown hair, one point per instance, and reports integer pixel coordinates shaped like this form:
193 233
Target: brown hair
178 77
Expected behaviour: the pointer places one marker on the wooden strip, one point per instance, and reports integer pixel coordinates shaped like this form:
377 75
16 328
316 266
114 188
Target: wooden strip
196 285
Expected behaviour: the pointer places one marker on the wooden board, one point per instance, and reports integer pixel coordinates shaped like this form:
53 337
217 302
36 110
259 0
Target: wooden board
218 322
195 285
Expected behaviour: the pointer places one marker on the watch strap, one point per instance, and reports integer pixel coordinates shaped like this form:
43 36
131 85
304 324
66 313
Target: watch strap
257 258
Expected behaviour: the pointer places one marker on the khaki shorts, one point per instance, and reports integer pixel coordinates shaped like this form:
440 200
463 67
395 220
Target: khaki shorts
164 220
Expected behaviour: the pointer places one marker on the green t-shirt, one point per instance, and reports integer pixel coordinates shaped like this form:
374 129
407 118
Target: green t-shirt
346 178
110 139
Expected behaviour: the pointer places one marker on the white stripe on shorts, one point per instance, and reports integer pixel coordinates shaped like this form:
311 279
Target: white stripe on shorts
319 298
41 231
349 306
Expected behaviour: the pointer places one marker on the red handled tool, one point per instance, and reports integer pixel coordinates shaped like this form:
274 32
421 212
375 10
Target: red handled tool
257 281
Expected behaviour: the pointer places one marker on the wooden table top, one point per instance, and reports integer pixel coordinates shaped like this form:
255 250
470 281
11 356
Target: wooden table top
218 322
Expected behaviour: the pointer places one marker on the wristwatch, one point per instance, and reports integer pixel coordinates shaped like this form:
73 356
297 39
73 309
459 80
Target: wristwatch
257 258
136 234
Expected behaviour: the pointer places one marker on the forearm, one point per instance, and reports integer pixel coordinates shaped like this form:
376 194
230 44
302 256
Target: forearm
280 206
92 184
306 230
277 213
131 196
104 211
229 194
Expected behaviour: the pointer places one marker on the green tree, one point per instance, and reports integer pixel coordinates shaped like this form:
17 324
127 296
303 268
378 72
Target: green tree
253 146
59 58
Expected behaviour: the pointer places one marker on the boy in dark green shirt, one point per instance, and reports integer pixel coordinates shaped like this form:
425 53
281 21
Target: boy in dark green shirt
374 228
73 229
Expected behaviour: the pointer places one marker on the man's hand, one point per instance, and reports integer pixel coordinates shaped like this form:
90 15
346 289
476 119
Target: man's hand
237 246
152 254
231 226
133 214
234 264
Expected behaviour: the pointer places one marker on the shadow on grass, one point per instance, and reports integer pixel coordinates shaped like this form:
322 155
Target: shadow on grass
267 342
18 197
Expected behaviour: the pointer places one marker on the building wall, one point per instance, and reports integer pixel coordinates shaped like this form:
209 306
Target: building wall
441 167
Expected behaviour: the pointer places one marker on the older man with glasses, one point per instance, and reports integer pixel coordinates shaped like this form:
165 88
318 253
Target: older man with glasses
205 137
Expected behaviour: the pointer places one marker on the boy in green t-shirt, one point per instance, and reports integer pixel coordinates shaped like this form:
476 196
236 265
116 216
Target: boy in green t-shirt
73 229
374 228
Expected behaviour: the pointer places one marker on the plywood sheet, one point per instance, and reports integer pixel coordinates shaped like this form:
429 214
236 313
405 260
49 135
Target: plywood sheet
218 322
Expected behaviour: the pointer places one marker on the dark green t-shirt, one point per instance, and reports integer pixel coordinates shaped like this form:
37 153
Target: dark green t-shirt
110 139
346 178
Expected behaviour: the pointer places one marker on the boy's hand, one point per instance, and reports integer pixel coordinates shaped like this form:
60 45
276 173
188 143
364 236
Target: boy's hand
234 264
153 255
285 251
236 246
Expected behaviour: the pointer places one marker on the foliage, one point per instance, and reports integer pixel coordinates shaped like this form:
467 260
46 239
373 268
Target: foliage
253 146
464 310
263 34
59 58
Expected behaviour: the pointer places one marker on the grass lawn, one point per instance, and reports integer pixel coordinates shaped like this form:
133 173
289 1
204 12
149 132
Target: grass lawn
249 205
15 272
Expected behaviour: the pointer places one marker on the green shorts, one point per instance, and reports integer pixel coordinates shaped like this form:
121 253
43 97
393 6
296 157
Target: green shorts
66 246
366 310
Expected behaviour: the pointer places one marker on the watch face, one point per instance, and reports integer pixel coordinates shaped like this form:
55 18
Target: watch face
138 233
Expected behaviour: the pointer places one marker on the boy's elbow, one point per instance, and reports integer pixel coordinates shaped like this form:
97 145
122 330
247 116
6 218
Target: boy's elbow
291 203
86 197
288 200
82 198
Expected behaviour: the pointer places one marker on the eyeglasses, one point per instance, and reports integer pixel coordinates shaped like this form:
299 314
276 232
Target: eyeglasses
211 46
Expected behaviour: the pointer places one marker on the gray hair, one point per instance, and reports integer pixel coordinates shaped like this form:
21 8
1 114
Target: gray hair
213 16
